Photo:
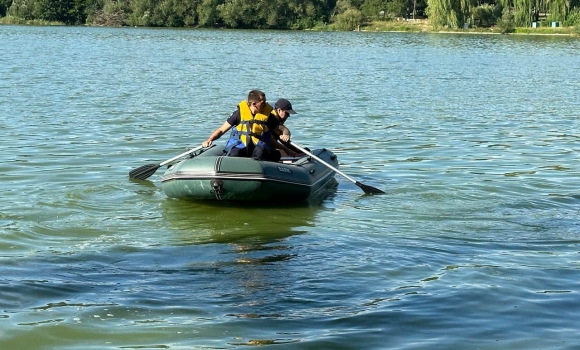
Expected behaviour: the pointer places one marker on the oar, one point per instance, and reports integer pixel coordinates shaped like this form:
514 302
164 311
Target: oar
368 189
145 171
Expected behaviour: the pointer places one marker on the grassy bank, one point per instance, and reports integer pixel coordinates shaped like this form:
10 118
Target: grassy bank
423 26
32 22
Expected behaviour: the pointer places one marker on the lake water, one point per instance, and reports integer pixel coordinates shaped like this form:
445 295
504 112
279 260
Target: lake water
474 139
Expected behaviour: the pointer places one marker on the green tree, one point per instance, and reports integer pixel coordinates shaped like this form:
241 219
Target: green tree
22 9
108 13
573 18
56 11
443 13
275 14
523 14
449 13
372 8
141 13
256 14
348 20
307 13
397 8
506 23
558 10
356 4
484 15
82 9
175 13
4 6
236 13
208 14
340 7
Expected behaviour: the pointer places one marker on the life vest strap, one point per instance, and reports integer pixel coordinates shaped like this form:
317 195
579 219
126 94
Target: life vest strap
260 122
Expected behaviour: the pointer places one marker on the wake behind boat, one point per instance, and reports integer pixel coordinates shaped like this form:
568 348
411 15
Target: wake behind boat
210 175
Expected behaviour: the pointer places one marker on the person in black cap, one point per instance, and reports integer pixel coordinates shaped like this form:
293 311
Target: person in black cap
281 134
282 110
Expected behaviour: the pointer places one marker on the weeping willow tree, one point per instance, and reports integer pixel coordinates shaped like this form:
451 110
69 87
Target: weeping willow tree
453 13
525 12
442 13
348 20
558 9
449 13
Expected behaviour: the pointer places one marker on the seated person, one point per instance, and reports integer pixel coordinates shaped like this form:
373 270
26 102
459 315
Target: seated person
281 134
252 125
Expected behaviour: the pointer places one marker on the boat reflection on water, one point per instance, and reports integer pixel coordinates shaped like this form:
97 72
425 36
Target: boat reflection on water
200 222
243 253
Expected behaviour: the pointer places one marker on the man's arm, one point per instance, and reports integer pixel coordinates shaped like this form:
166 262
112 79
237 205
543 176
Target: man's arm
280 146
285 135
217 134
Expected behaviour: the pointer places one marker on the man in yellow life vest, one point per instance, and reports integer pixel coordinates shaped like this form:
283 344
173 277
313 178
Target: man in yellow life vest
252 125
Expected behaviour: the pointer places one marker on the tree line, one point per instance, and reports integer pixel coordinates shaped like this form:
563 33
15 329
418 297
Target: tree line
291 14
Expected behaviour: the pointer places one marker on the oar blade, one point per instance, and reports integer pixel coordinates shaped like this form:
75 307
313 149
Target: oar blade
369 189
143 172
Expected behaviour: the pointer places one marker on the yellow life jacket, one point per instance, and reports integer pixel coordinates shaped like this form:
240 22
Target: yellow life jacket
252 126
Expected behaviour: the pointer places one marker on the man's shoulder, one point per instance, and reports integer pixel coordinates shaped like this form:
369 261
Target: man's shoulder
234 118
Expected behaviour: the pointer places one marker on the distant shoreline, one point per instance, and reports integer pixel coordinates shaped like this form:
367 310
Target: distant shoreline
423 26
409 26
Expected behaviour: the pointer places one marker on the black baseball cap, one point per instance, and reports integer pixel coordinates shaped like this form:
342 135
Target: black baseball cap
284 105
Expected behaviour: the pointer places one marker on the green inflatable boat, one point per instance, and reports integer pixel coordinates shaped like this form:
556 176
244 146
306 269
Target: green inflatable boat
210 175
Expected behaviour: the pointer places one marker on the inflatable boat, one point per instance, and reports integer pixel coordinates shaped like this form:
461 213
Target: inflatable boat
210 175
